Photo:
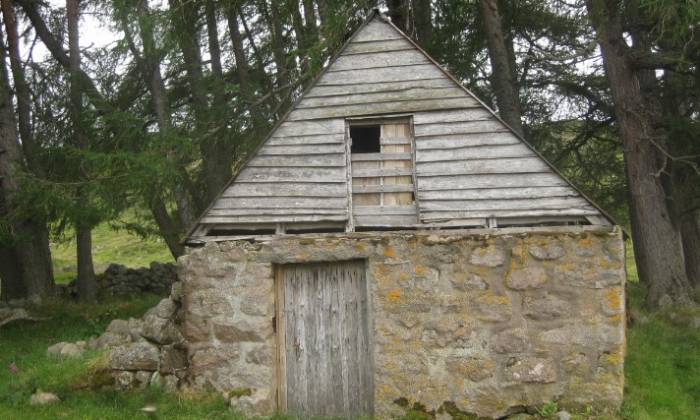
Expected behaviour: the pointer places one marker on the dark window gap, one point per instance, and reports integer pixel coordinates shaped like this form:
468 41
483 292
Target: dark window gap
365 139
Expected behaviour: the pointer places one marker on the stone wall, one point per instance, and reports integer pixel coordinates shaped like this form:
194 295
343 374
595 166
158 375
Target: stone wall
483 321
119 280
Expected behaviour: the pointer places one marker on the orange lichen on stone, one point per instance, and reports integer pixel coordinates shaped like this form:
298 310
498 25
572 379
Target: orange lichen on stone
613 298
390 252
394 295
586 242
421 270
303 256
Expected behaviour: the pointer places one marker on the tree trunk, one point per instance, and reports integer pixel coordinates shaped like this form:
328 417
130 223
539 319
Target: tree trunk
11 284
169 231
29 145
87 289
242 69
278 52
216 162
31 237
504 87
658 249
423 22
398 13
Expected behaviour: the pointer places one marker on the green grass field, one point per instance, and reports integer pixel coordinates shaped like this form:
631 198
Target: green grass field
109 246
662 365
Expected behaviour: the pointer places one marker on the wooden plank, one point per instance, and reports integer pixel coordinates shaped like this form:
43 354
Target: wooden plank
482 166
431 217
456 115
281 326
358 157
452 182
457 141
292 174
367 189
304 149
306 140
498 193
259 189
378 108
410 94
378 59
385 221
335 159
474 152
382 74
384 210
372 173
281 202
377 46
548 203
310 128
297 218
395 140
376 31
478 126
276 211
369 86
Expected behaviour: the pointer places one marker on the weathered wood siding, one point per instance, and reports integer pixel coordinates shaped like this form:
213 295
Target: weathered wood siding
468 165
326 340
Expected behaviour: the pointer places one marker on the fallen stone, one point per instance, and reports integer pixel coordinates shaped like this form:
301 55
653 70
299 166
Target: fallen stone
140 355
108 340
164 309
43 398
250 405
563 415
160 330
55 350
71 350
124 379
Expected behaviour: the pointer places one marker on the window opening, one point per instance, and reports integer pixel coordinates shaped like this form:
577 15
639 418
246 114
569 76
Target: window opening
365 139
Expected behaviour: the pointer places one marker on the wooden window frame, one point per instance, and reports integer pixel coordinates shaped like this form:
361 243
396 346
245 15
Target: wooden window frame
382 172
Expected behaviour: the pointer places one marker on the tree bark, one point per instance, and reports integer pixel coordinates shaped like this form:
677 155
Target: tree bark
502 80
423 23
658 248
278 51
216 162
30 236
87 287
398 12
30 147
11 285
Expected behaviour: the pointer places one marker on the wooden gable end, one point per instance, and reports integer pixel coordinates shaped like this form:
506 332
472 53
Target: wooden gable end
470 168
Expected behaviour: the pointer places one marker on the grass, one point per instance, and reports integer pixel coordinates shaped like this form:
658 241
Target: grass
662 367
24 344
109 246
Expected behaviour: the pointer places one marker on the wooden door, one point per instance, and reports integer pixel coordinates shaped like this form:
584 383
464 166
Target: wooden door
324 344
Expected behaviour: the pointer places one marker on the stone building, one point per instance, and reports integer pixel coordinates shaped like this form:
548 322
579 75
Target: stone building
394 244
